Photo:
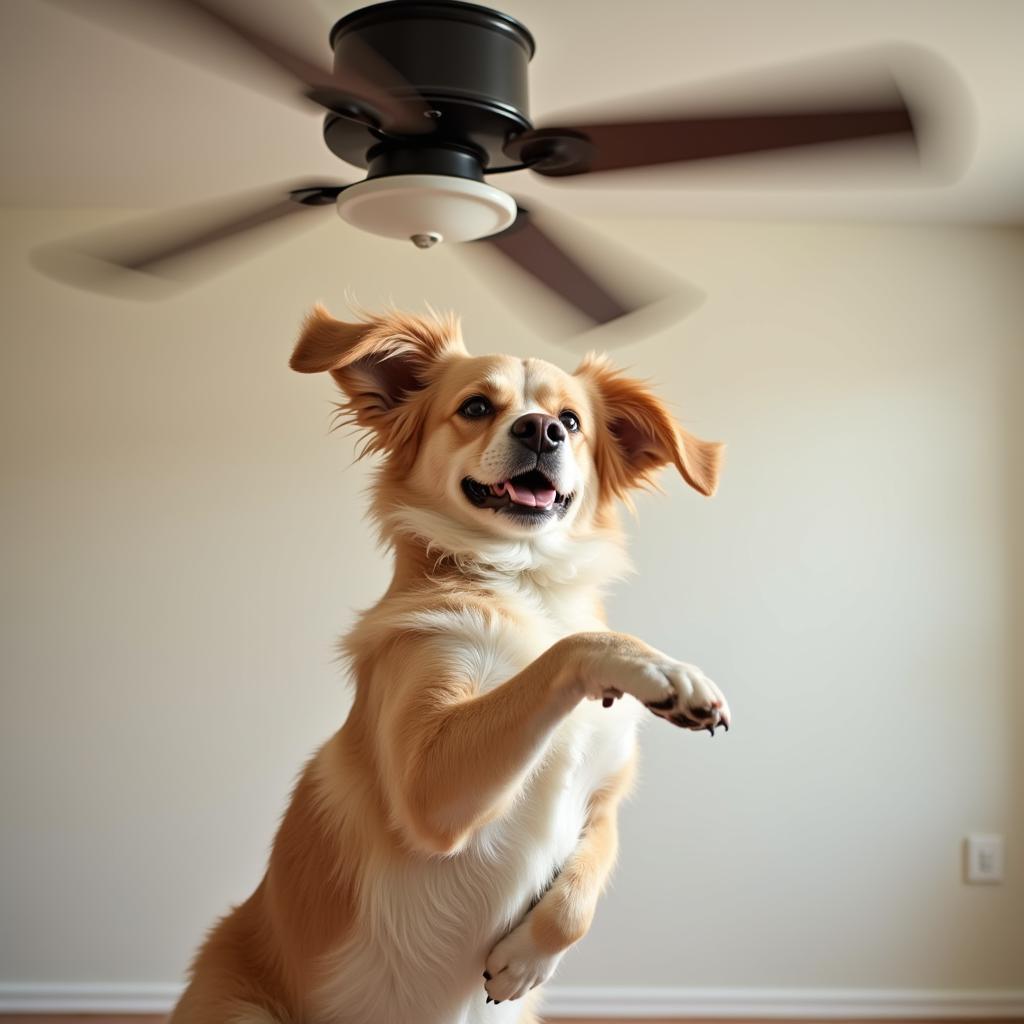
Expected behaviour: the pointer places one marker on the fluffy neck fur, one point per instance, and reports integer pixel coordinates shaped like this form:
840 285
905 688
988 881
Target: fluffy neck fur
548 562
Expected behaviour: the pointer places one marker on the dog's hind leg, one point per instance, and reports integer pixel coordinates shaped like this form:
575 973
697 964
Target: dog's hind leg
228 985
528 955
198 1007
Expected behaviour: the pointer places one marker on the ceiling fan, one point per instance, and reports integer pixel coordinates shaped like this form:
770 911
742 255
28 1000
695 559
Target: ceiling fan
430 97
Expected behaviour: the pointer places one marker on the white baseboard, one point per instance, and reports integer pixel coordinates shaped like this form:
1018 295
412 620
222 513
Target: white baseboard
87 997
797 1003
595 1001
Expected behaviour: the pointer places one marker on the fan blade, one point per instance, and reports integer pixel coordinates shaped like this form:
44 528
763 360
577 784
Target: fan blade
364 93
134 258
534 250
890 94
642 299
593 148
367 85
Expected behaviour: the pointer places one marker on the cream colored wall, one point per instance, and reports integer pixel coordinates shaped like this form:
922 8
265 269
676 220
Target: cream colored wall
183 541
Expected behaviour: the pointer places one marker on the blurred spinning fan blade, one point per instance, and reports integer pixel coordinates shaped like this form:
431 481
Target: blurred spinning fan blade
863 97
605 287
146 257
534 250
368 89
631 144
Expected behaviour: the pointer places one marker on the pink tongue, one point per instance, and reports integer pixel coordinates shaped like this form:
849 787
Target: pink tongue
524 496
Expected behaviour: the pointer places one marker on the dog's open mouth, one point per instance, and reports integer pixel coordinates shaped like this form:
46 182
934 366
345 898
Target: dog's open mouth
528 494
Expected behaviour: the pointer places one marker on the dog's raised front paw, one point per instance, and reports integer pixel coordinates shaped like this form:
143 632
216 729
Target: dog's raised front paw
515 966
691 700
614 664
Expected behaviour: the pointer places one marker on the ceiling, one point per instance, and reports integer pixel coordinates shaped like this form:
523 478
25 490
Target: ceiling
93 117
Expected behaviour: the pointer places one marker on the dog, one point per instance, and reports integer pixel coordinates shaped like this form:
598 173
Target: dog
448 844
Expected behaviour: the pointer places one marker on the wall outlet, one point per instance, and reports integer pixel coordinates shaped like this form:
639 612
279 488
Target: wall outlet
983 858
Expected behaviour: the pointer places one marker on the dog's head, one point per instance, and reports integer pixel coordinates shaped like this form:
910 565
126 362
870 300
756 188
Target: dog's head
511 448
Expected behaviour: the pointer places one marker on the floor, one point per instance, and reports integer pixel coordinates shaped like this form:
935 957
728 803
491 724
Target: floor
75 1018
87 1018
94 1019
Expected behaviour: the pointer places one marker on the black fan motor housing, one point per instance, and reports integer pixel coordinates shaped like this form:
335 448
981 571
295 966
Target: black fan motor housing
467 62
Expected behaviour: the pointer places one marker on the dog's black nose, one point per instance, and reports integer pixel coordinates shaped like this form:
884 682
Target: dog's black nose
538 432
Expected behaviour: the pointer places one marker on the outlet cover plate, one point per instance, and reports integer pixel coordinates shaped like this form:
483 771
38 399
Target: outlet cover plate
983 859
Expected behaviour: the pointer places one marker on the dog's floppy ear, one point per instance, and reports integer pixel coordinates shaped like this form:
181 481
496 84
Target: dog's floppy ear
378 362
640 435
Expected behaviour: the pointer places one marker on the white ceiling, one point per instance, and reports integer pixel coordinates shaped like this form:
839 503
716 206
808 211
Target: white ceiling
92 117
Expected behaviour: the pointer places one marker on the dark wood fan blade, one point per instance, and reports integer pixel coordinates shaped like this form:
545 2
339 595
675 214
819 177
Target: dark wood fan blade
163 245
618 292
621 145
341 90
365 89
532 249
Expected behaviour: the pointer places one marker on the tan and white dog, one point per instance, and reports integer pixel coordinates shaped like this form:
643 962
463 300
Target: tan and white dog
448 844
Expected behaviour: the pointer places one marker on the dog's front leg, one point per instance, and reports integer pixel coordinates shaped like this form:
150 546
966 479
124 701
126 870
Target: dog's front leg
529 954
454 759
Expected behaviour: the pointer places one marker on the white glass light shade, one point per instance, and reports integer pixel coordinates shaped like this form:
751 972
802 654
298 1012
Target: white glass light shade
420 205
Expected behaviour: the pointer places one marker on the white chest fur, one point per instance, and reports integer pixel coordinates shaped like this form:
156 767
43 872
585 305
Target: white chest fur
428 924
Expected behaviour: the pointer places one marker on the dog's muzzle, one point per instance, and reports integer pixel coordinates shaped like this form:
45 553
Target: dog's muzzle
529 495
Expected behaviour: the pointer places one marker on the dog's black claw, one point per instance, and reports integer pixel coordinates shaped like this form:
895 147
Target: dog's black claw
498 1002
711 729
487 975
726 725
608 702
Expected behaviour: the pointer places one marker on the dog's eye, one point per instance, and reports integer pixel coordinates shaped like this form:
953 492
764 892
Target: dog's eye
476 407
570 421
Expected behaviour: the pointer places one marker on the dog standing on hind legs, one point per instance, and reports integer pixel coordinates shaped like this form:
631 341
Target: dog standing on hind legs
448 844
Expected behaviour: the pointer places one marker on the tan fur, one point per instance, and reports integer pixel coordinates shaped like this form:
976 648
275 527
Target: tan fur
648 436
436 724
565 911
426 758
